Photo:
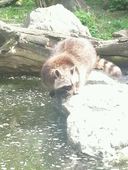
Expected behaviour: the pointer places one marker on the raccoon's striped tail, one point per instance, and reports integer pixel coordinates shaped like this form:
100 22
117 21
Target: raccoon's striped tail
108 67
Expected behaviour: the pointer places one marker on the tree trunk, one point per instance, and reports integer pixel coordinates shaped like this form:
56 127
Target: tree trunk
71 5
41 3
105 4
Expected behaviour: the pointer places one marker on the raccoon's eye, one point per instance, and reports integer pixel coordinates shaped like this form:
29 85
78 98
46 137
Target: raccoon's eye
71 71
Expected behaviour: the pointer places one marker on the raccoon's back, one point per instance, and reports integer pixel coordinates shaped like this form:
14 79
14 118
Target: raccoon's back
75 46
80 48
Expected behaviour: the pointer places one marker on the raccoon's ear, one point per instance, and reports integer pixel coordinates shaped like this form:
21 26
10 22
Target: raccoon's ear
73 70
57 73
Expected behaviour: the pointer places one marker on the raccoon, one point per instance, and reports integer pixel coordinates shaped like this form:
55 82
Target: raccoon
69 66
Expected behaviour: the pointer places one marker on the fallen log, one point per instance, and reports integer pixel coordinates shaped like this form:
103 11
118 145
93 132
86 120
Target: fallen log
117 47
24 49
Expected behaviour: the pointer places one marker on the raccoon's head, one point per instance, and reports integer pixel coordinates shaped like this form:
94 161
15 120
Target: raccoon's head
67 80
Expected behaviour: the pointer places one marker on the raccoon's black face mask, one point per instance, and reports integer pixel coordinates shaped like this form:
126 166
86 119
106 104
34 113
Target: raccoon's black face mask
63 92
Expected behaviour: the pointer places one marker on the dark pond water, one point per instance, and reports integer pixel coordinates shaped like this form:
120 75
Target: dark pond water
33 132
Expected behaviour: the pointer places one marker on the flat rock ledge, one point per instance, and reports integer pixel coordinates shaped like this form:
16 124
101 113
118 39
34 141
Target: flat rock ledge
98 118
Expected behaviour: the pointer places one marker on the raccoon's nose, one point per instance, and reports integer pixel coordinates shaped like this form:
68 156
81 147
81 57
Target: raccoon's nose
74 93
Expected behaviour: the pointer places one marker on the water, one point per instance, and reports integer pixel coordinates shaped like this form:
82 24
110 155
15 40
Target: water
33 132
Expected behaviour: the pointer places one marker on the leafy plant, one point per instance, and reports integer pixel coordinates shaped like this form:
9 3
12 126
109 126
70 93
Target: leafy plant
87 19
16 14
118 4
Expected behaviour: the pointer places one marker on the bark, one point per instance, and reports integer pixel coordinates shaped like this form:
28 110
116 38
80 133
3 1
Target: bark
117 47
41 3
105 4
24 50
71 5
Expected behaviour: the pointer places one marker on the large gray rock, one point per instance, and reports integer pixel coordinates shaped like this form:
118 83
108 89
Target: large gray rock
57 19
98 118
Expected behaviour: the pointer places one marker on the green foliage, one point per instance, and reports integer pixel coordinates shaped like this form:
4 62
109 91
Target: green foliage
88 19
101 23
109 22
16 14
106 21
118 4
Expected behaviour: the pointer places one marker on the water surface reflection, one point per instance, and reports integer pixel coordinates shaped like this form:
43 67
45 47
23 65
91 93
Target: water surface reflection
33 132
